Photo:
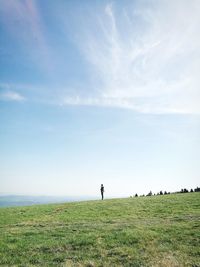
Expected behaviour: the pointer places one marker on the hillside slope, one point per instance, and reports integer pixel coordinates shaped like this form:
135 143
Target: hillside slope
144 231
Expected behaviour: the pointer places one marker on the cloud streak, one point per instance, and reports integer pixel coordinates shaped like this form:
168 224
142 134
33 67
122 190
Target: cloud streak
144 58
24 23
12 96
138 56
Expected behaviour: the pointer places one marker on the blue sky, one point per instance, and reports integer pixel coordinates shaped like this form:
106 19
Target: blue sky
98 92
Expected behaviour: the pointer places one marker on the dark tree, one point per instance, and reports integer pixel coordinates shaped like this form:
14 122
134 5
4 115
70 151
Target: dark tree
161 193
149 194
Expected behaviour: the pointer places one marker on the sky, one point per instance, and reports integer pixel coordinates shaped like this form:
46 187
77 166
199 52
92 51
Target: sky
96 92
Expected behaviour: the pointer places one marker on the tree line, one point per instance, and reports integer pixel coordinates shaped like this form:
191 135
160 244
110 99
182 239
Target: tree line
183 190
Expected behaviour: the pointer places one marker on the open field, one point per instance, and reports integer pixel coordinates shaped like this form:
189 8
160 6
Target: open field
144 231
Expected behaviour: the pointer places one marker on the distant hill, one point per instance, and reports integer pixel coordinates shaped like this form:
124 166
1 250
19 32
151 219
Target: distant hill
156 231
20 200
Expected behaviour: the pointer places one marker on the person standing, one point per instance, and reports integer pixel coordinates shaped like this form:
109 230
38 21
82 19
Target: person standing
102 191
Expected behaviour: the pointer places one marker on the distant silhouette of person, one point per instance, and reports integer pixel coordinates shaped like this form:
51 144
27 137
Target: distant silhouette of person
102 191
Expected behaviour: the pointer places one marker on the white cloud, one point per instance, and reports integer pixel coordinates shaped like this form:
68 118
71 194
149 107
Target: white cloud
12 96
144 58
140 57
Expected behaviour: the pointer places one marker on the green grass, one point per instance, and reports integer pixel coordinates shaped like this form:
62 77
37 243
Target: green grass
144 231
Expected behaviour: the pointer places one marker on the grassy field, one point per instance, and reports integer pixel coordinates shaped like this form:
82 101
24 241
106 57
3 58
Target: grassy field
144 231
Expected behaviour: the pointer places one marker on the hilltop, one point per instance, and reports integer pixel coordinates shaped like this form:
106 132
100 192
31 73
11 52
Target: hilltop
144 231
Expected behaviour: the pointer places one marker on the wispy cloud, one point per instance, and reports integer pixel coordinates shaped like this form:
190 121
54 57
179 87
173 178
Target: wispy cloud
12 92
143 58
23 21
12 96
140 57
